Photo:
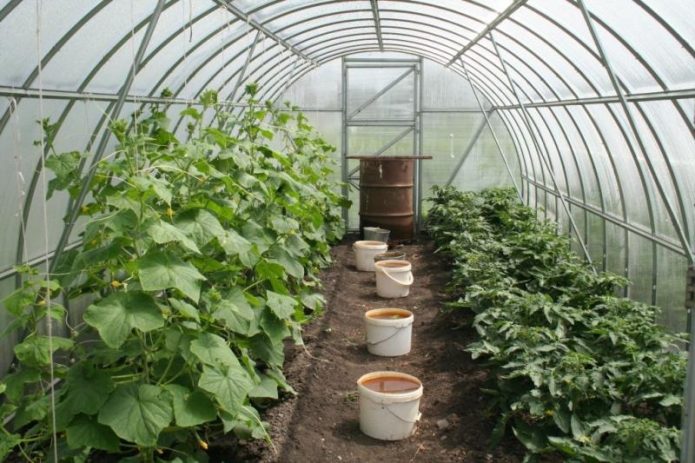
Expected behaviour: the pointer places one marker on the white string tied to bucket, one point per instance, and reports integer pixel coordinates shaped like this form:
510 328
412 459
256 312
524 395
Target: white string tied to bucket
389 415
388 331
396 415
387 285
409 277
396 331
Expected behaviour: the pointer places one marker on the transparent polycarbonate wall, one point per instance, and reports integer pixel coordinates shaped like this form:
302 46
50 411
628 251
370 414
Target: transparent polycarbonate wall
586 106
450 123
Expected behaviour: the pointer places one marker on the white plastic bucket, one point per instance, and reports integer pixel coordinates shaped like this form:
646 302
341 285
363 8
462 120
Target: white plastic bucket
390 255
376 234
393 278
365 252
388 416
389 331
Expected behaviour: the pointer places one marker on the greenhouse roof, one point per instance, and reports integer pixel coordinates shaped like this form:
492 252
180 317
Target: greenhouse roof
596 99
533 61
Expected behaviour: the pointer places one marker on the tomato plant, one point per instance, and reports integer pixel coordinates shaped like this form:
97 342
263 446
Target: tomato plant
576 369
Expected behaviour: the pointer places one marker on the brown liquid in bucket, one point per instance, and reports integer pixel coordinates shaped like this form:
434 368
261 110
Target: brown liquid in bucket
391 384
372 243
389 315
393 264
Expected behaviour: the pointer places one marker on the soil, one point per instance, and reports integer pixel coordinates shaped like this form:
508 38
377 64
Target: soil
321 423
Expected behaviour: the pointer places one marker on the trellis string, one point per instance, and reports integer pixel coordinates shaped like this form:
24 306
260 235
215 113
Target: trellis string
44 186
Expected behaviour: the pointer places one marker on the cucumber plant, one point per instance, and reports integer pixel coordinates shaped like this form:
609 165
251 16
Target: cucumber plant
198 259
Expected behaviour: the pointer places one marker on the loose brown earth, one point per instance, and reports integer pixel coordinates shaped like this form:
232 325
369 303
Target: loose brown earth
321 423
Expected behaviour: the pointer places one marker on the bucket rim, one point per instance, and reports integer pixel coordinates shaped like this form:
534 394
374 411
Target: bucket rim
387 254
376 229
394 265
386 398
394 322
370 244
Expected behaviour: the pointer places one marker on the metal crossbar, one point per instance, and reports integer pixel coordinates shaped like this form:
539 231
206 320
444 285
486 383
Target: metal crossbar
380 93
377 24
491 25
260 27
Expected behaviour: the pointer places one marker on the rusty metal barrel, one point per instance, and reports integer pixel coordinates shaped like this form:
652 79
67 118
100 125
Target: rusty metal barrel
386 194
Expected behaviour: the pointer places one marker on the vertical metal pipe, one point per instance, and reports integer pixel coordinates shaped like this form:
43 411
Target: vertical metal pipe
688 420
344 144
418 144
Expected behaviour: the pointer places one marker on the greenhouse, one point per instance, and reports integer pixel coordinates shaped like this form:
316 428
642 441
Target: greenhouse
358 231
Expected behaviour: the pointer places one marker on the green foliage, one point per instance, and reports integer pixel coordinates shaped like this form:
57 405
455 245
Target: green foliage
576 369
201 257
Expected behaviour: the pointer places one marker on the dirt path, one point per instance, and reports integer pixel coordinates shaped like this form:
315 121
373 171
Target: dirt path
321 423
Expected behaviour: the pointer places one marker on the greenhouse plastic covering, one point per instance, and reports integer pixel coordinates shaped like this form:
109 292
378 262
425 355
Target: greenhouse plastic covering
587 107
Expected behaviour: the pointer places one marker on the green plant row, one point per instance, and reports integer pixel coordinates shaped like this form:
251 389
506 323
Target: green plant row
575 369
199 258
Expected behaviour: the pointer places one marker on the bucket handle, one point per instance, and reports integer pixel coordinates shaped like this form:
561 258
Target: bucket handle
410 281
417 418
387 337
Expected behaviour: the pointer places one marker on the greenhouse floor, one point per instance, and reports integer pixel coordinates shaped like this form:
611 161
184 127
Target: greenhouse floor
321 423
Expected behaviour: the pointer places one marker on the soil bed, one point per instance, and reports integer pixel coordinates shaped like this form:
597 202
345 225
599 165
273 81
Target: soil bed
321 423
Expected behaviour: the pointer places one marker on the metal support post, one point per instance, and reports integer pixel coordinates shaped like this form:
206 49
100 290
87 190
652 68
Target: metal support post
688 422
488 28
419 72
377 24
344 144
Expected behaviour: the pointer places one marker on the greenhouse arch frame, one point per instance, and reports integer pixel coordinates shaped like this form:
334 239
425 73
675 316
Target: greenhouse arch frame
601 120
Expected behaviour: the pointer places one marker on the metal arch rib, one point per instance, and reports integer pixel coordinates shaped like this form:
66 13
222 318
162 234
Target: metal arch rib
118 105
645 96
51 53
527 120
7 9
242 72
493 24
633 126
71 101
377 23
285 27
261 28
